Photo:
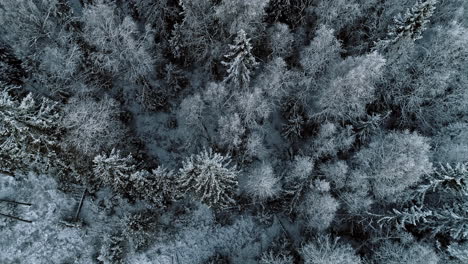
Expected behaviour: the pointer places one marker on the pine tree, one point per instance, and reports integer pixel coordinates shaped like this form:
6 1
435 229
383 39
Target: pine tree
411 25
28 132
210 177
115 171
160 187
240 61
444 213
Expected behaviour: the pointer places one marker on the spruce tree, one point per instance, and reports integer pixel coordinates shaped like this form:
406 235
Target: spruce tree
115 171
210 177
27 132
413 23
409 26
240 61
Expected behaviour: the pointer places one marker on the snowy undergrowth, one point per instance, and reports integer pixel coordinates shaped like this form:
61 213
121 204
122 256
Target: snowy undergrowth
45 240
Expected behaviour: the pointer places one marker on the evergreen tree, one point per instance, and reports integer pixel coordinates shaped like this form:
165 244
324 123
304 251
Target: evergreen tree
240 61
28 132
411 25
115 171
441 202
210 177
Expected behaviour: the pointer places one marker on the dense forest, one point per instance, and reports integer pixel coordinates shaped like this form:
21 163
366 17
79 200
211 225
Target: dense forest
234 131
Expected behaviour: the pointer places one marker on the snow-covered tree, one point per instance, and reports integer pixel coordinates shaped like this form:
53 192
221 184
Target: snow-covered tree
28 132
262 183
331 139
253 107
271 258
92 126
441 202
240 61
240 14
115 171
198 38
291 12
29 25
325 250
121 49
318 207
335 172
413 23
319 57
231 131
394 253
112 249
394 162
348 94
210 177
159 188
281 40
337 14
451 143
158 14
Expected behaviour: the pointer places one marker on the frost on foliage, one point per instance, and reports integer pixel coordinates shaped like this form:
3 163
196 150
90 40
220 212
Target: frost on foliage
240 14
325 250
140 228
348 94
412 24
396 253
335 172
331 139
92 126
112 250
231 131
298 173
443 201
253 107
271 258
262 183
240 61
459 251
114 170
319 207
118 50
451 143
281 40
210 177
395 162
157 188
27 131
447 178
322 53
